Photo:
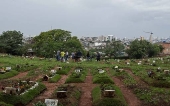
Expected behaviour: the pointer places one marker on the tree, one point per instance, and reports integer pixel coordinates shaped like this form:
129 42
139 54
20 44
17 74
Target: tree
47 43
142 48
11 42
114 48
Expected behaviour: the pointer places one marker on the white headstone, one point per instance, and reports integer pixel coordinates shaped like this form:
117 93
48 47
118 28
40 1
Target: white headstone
51 102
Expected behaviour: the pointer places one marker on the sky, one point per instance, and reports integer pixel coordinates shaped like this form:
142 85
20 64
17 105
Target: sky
88 18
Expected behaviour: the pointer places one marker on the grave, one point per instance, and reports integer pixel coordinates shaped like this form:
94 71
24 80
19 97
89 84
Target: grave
101 71
166 71
62 92
77 70
51 102
45 78
8 68
59 68
10 90
109 93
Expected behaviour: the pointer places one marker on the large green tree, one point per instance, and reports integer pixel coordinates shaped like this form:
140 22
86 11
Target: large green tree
114 48
142 48
47 43
11 42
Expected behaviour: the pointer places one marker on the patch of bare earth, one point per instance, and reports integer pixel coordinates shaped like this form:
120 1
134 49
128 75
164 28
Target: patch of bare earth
20 75
128 94
130 98
86 88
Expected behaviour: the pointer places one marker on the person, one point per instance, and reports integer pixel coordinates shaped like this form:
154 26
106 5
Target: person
78 56
88 56
66 56
73 56
98 56
58 55
62 56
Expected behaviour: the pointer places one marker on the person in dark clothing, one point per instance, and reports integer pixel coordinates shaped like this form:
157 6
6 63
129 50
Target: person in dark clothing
98 56
88 56
78 56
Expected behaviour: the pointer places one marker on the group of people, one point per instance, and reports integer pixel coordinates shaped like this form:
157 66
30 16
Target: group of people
76 56
62 56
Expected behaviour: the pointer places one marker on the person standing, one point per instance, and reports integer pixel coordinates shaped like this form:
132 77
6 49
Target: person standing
62 56
98 56
58 55
66 56
88 56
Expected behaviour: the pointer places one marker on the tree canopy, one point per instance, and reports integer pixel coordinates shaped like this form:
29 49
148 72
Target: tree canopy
142 48
11 42
47 43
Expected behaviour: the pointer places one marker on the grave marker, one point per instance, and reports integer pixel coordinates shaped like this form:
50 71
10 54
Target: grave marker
51 102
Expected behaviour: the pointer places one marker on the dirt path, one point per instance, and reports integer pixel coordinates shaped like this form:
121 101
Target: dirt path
128 94
20 75
86 98
130 98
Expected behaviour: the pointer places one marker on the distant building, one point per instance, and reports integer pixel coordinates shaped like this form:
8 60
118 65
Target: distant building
166 47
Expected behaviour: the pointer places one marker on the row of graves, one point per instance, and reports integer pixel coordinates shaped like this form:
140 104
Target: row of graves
107 90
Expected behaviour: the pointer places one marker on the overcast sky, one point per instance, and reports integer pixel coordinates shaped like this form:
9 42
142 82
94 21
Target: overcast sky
121 18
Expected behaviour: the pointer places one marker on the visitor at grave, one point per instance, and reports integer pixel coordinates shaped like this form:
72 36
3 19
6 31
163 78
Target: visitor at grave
98 56
73 56
62 56
58 55
78 55
66 56
88 56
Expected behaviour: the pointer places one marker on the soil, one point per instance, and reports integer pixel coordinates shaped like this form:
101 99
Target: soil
130 98
86 99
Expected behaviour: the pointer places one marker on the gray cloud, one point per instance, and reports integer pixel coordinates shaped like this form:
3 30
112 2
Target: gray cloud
122 18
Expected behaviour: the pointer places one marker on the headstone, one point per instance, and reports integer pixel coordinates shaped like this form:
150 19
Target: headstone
77 70
61 94
8 68
100 71
166 71
109 93
59 68
51 102
10 90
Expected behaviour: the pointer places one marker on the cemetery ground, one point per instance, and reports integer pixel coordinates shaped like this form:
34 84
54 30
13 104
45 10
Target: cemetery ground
37 81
